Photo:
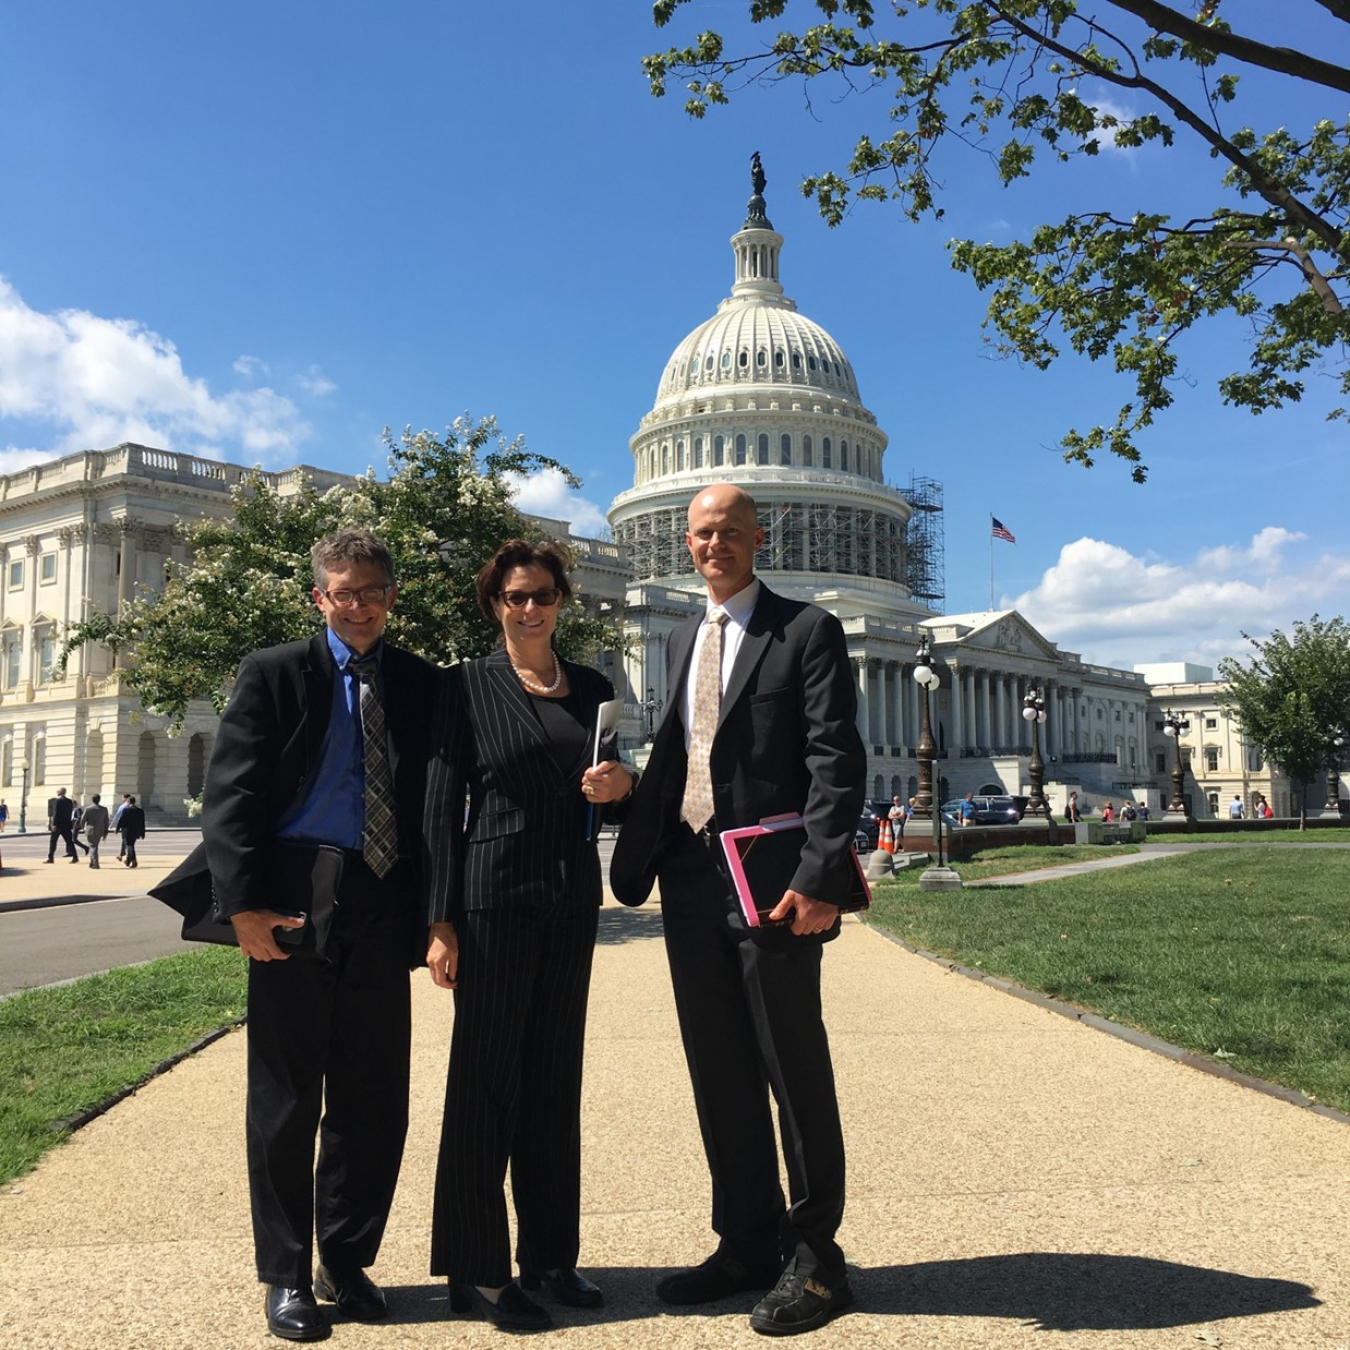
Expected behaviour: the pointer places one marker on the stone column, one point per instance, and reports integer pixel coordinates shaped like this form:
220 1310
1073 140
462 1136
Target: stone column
1052 724
958 744
999 734
863 710
986 725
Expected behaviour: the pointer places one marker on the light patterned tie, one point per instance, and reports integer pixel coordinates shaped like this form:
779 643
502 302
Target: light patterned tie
698 794
380 841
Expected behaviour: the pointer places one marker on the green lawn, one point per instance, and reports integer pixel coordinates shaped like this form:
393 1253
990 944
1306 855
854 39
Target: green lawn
66 1048
1243 953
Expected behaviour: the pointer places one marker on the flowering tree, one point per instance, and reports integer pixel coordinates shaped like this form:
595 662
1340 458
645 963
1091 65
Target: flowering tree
1018 79
444 509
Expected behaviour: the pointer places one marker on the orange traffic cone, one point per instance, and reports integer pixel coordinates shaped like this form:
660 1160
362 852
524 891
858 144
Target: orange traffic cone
884 840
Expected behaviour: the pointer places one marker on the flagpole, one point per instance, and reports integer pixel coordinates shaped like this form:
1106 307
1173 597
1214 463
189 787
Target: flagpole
991 560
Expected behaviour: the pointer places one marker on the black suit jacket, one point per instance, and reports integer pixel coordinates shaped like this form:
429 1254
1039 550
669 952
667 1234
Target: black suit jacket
524 840
786 741
268 745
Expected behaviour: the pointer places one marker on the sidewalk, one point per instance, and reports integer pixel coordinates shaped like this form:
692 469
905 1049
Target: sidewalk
1011 1172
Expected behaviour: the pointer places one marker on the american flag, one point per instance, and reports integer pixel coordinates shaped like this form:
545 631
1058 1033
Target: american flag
1001 531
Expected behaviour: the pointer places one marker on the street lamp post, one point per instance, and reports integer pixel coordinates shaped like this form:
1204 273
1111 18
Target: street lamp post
23 797
938 877
1333 806
1033 711
651 707
1176 725
925 752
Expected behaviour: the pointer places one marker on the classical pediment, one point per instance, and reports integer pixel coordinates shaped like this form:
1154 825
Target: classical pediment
997 631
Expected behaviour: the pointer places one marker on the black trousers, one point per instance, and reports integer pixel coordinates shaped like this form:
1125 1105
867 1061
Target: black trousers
748 1002
328 1049
514 1093
67 835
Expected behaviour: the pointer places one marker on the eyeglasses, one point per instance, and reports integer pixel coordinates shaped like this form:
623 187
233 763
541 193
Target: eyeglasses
367 595
546 596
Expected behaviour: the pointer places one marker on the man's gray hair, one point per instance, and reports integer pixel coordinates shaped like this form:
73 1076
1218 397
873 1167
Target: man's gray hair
349 546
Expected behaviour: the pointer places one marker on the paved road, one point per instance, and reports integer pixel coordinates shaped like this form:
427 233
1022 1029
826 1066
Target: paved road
42 946
80 934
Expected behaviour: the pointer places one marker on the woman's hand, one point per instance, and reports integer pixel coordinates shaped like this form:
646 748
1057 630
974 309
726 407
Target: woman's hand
607 782
443 954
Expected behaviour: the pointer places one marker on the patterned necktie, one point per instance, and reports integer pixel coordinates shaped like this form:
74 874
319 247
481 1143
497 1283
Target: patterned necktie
698 794
380 842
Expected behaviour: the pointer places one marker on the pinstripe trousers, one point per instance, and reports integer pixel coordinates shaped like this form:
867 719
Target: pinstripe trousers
513 1093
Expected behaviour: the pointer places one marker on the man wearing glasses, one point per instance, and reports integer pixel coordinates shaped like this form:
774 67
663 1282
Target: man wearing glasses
323 744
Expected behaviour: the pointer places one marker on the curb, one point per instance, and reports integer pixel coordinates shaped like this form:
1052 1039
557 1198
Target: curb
71 1123
1192 1059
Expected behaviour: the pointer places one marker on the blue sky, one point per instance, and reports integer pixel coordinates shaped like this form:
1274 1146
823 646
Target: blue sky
264 231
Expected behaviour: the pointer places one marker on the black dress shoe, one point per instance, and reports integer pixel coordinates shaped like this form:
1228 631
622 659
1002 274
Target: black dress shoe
799 1303
511 1312
567 1286
718 1277
293 1315
355 1293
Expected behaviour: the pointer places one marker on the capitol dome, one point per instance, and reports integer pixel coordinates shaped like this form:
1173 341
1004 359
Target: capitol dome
762 396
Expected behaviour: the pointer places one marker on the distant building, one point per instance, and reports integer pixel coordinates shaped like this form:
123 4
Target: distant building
1219 761
79 536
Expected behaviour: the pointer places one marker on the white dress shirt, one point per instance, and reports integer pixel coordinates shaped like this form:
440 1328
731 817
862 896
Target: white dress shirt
738 611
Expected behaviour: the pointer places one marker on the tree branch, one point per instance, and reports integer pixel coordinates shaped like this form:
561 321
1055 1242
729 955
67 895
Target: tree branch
1318 283
1271 189
1283 59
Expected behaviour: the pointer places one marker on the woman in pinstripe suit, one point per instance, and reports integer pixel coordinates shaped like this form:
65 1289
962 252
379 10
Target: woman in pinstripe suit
514 895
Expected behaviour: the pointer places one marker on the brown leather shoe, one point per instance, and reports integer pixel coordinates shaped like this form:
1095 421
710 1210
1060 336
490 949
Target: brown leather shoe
799 1303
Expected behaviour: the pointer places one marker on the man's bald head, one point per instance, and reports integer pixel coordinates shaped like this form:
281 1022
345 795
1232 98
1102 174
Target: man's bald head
723 537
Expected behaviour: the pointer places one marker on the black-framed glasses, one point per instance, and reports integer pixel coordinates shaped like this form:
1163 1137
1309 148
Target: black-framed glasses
367 595
543 597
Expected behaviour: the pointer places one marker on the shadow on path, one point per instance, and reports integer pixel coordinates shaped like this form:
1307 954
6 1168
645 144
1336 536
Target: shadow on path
618 926
1047 1291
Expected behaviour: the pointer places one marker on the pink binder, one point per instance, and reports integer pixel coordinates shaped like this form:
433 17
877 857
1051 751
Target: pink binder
764 858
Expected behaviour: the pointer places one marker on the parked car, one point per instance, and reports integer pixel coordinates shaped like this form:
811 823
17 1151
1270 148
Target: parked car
869 826
861 842
989 809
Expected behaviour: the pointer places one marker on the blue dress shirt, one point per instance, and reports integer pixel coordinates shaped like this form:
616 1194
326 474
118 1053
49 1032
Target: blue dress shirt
333 808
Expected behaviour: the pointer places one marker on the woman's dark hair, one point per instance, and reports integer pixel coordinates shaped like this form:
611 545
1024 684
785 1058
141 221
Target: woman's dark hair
520 553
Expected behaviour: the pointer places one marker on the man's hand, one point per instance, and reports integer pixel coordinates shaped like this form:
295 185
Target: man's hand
253 928
443 954
811 916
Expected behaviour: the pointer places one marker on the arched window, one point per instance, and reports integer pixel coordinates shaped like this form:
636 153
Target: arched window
843 455
726 360
743 360
761 358
719 450
40 758
762 448
825 459
779 360
740 448
698 452
679 455
796 360
785 449
807 459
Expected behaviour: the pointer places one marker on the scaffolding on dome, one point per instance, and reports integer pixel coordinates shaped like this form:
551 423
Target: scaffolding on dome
926 565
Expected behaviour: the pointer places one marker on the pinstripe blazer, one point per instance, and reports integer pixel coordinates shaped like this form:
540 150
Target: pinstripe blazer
523 840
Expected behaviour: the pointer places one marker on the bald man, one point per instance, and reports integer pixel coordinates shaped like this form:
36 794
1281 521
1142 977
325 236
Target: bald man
779 737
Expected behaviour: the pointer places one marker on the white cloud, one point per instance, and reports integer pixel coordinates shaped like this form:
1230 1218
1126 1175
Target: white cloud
315 383
83 381
546 493
1117 608
252 367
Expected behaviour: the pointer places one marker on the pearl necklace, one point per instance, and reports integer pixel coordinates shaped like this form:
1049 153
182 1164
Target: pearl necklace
541 688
